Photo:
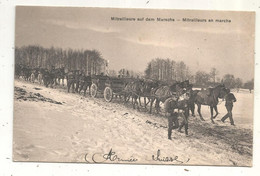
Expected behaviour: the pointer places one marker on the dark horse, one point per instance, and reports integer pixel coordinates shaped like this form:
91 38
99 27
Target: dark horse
48 78
161 93
84 83
148 86
210 97
59 75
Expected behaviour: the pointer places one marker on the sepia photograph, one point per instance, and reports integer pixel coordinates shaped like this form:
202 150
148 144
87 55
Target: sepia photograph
133 86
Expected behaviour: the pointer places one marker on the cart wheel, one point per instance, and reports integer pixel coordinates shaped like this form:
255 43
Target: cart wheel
108 94
93 90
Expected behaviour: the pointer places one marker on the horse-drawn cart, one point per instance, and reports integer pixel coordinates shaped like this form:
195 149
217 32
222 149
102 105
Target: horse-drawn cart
114 87
98 85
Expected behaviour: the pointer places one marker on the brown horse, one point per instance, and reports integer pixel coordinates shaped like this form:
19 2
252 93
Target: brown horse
210 98
161 93
147 87
133 90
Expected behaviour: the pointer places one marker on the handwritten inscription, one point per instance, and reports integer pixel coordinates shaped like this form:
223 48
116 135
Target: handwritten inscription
113 157
172 159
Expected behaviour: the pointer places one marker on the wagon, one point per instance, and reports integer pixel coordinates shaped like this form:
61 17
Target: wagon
98 85
114 87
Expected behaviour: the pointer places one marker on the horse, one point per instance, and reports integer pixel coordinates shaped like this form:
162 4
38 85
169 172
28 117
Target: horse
77 75
26 73
84 83
48 78
161 93
60 75
191 101
40 75
146 89
39 78
174 107
71 80
210 98
32 77
133 89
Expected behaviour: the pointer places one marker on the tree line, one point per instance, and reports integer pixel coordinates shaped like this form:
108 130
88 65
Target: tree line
167 70
171 71
89 61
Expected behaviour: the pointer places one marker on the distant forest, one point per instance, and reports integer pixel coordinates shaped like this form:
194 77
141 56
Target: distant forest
170 71
91 61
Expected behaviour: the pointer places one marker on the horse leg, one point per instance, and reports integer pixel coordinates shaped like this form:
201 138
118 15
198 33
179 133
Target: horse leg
149 100
133 103
80 88
157 106
125 97
199 108
186 121
182 124
69 84
85 89
89 88
151 105
211 113
216 110
77 87
73 87
137 103
192 108
139 99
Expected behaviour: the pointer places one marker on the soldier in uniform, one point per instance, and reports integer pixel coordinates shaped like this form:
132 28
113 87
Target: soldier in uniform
229 98
71 80
171 115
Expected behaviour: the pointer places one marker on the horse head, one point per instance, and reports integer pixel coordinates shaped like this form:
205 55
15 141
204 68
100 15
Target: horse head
149 85
219 91
224 91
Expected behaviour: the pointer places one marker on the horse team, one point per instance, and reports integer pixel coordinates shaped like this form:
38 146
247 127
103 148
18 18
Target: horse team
41 75
179 98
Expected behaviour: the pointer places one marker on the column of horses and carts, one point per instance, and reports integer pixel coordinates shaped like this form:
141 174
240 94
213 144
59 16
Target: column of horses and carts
148 94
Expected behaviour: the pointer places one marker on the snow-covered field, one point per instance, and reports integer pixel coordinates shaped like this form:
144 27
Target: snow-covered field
52 125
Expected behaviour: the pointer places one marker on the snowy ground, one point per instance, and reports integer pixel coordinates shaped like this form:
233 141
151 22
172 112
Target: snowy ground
52 125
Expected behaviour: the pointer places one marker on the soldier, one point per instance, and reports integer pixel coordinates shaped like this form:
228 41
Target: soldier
71 80
77 76
171 115
230 98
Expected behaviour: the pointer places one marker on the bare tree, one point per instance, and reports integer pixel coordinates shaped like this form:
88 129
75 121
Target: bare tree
238 83
37 56
213 73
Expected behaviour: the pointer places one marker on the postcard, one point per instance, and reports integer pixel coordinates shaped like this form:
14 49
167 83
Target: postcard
133 86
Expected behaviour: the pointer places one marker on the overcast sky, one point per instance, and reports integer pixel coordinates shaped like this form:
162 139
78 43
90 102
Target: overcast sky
229 47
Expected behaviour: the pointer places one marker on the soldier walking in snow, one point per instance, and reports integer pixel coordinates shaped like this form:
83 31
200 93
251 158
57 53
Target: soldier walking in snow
229 98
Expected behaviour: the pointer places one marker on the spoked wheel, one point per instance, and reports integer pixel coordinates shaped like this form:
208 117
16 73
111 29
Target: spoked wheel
93 90
108 94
